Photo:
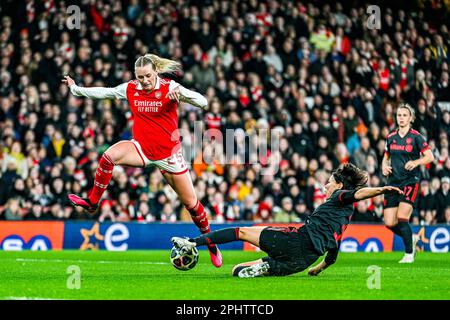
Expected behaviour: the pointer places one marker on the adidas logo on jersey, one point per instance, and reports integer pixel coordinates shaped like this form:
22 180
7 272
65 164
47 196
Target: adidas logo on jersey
136 94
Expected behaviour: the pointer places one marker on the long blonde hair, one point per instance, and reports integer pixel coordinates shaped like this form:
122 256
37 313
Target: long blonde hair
160 65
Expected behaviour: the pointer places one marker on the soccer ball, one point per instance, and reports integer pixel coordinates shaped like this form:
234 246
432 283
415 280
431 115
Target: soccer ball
185 261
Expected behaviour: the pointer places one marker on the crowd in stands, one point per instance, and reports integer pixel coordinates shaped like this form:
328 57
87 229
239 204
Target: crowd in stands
309 80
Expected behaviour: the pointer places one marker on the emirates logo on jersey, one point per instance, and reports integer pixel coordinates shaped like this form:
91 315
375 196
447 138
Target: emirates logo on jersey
147 105
409 148
158 94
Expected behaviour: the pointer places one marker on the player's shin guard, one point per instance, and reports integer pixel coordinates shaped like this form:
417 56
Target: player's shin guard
406 234
199 217
103 176
217 237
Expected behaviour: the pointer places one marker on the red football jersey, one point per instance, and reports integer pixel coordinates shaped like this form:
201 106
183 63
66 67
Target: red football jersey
155 118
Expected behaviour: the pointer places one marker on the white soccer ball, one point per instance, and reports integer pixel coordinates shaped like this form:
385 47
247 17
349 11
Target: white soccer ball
185 261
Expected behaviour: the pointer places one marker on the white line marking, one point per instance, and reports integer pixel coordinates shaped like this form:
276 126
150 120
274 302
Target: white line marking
27 298
90 261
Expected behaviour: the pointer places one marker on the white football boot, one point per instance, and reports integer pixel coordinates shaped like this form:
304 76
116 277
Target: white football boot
183 244
255 270
409 257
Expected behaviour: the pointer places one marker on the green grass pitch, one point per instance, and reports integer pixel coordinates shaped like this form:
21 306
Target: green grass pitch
149 275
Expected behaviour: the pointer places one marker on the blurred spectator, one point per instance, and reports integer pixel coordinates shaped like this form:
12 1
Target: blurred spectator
143 213
377 205
106 212
264 212
15 156
443 199
285 214
203 75
218 208
271 58
361 155
249 208
167 214
37 212
363 212
427 204
13 210
58 212
124 208
447 216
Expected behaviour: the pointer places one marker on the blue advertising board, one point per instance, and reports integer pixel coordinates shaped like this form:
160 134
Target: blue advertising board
83 235
133 236
431 238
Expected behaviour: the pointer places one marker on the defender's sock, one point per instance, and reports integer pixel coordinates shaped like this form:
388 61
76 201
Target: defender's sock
217 237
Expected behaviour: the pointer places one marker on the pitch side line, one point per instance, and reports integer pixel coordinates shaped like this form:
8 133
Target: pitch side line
90 261
100 261
27 298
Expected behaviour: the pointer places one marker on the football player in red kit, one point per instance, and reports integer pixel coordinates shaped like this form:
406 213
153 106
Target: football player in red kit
156 141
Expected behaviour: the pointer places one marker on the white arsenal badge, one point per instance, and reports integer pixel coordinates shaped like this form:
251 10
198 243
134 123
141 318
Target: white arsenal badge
158 94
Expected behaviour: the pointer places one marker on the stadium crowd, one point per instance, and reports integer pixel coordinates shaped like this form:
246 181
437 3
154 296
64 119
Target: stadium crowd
325 85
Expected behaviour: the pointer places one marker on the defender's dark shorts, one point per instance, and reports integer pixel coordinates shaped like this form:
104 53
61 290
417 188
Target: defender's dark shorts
410 195
290 249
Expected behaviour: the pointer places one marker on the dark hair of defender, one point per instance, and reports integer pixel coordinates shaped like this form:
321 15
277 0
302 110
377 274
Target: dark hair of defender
350 176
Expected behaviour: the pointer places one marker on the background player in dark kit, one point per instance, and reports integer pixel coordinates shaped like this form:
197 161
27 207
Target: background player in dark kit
291 250
401 165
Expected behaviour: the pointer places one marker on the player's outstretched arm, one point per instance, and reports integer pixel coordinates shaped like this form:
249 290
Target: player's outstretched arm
118 92
329 259
194 98
180 93
365 193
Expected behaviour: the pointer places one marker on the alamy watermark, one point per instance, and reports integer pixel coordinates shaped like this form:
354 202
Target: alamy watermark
259 147
374 280
74 279
73 20
374 20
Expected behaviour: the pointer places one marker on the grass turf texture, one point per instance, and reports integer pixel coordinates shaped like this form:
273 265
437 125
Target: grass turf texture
149 275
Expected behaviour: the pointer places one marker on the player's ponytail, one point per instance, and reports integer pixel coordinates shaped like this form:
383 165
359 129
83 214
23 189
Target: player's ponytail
160 65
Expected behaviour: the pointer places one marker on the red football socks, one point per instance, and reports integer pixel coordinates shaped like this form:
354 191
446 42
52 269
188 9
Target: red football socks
103 176
199 217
